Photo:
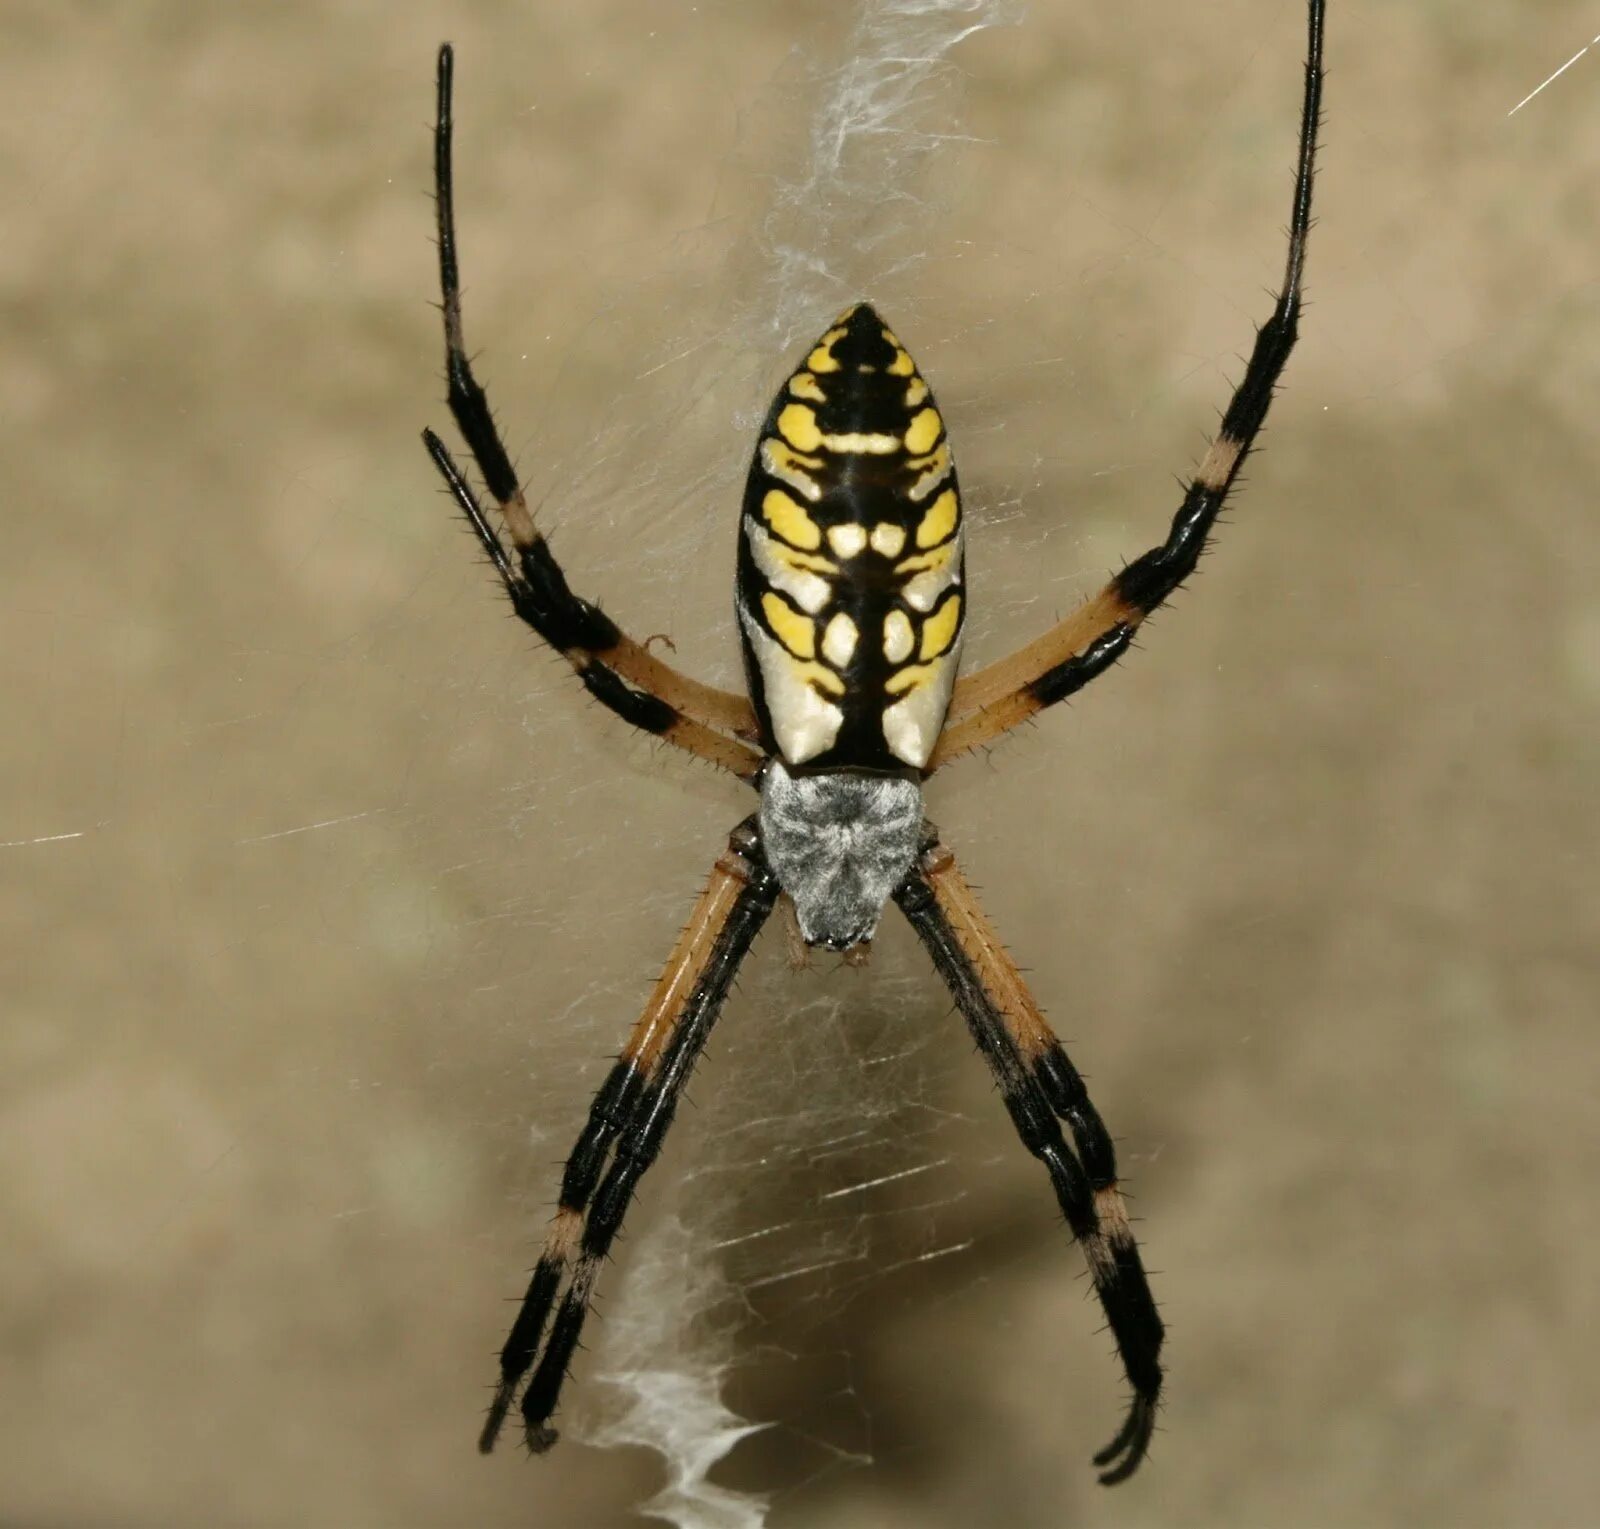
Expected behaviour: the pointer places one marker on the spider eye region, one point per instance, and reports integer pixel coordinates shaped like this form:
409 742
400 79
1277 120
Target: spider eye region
839 842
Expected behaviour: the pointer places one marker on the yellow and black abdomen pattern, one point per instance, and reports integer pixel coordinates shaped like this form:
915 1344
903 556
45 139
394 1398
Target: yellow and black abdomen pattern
850 590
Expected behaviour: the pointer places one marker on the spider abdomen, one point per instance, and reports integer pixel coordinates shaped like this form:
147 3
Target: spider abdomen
850 593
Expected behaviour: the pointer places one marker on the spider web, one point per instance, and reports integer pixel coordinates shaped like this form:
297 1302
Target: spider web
315 958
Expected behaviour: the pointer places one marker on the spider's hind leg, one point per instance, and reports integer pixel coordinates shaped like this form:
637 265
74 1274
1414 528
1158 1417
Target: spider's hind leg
627 1124
1041 1088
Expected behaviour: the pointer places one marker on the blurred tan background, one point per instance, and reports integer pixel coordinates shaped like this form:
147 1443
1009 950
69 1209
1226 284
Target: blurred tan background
326 894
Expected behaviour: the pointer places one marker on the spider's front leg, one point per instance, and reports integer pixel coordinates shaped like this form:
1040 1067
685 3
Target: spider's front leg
1061 662
617 671
1041 1086
627 1123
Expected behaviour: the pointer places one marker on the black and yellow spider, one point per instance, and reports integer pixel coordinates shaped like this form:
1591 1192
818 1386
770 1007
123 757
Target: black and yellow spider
850 603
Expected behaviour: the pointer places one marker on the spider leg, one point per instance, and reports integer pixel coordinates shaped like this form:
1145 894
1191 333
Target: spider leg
627 1123
1041 1086
617 671
539 595
1061 662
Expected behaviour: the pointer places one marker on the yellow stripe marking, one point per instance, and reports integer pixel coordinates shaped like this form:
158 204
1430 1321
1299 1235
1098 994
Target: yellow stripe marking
940 629
821 359
924 590
804 385
789 467
902 365
922 432
908 678
808 561
940 520
797 633
797 424
926 561
847 541
887 540
823 679
911 724
787 571
938 469
871 445
790 521
898 638
803 719
916 391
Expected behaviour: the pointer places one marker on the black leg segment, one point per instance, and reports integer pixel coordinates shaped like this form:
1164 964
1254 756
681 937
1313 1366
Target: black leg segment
627 1124
1040 1087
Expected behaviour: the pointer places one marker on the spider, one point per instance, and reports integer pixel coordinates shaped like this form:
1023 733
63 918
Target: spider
850 603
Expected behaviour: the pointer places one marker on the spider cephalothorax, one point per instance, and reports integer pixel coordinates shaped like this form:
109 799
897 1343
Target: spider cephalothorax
850 608
839 842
